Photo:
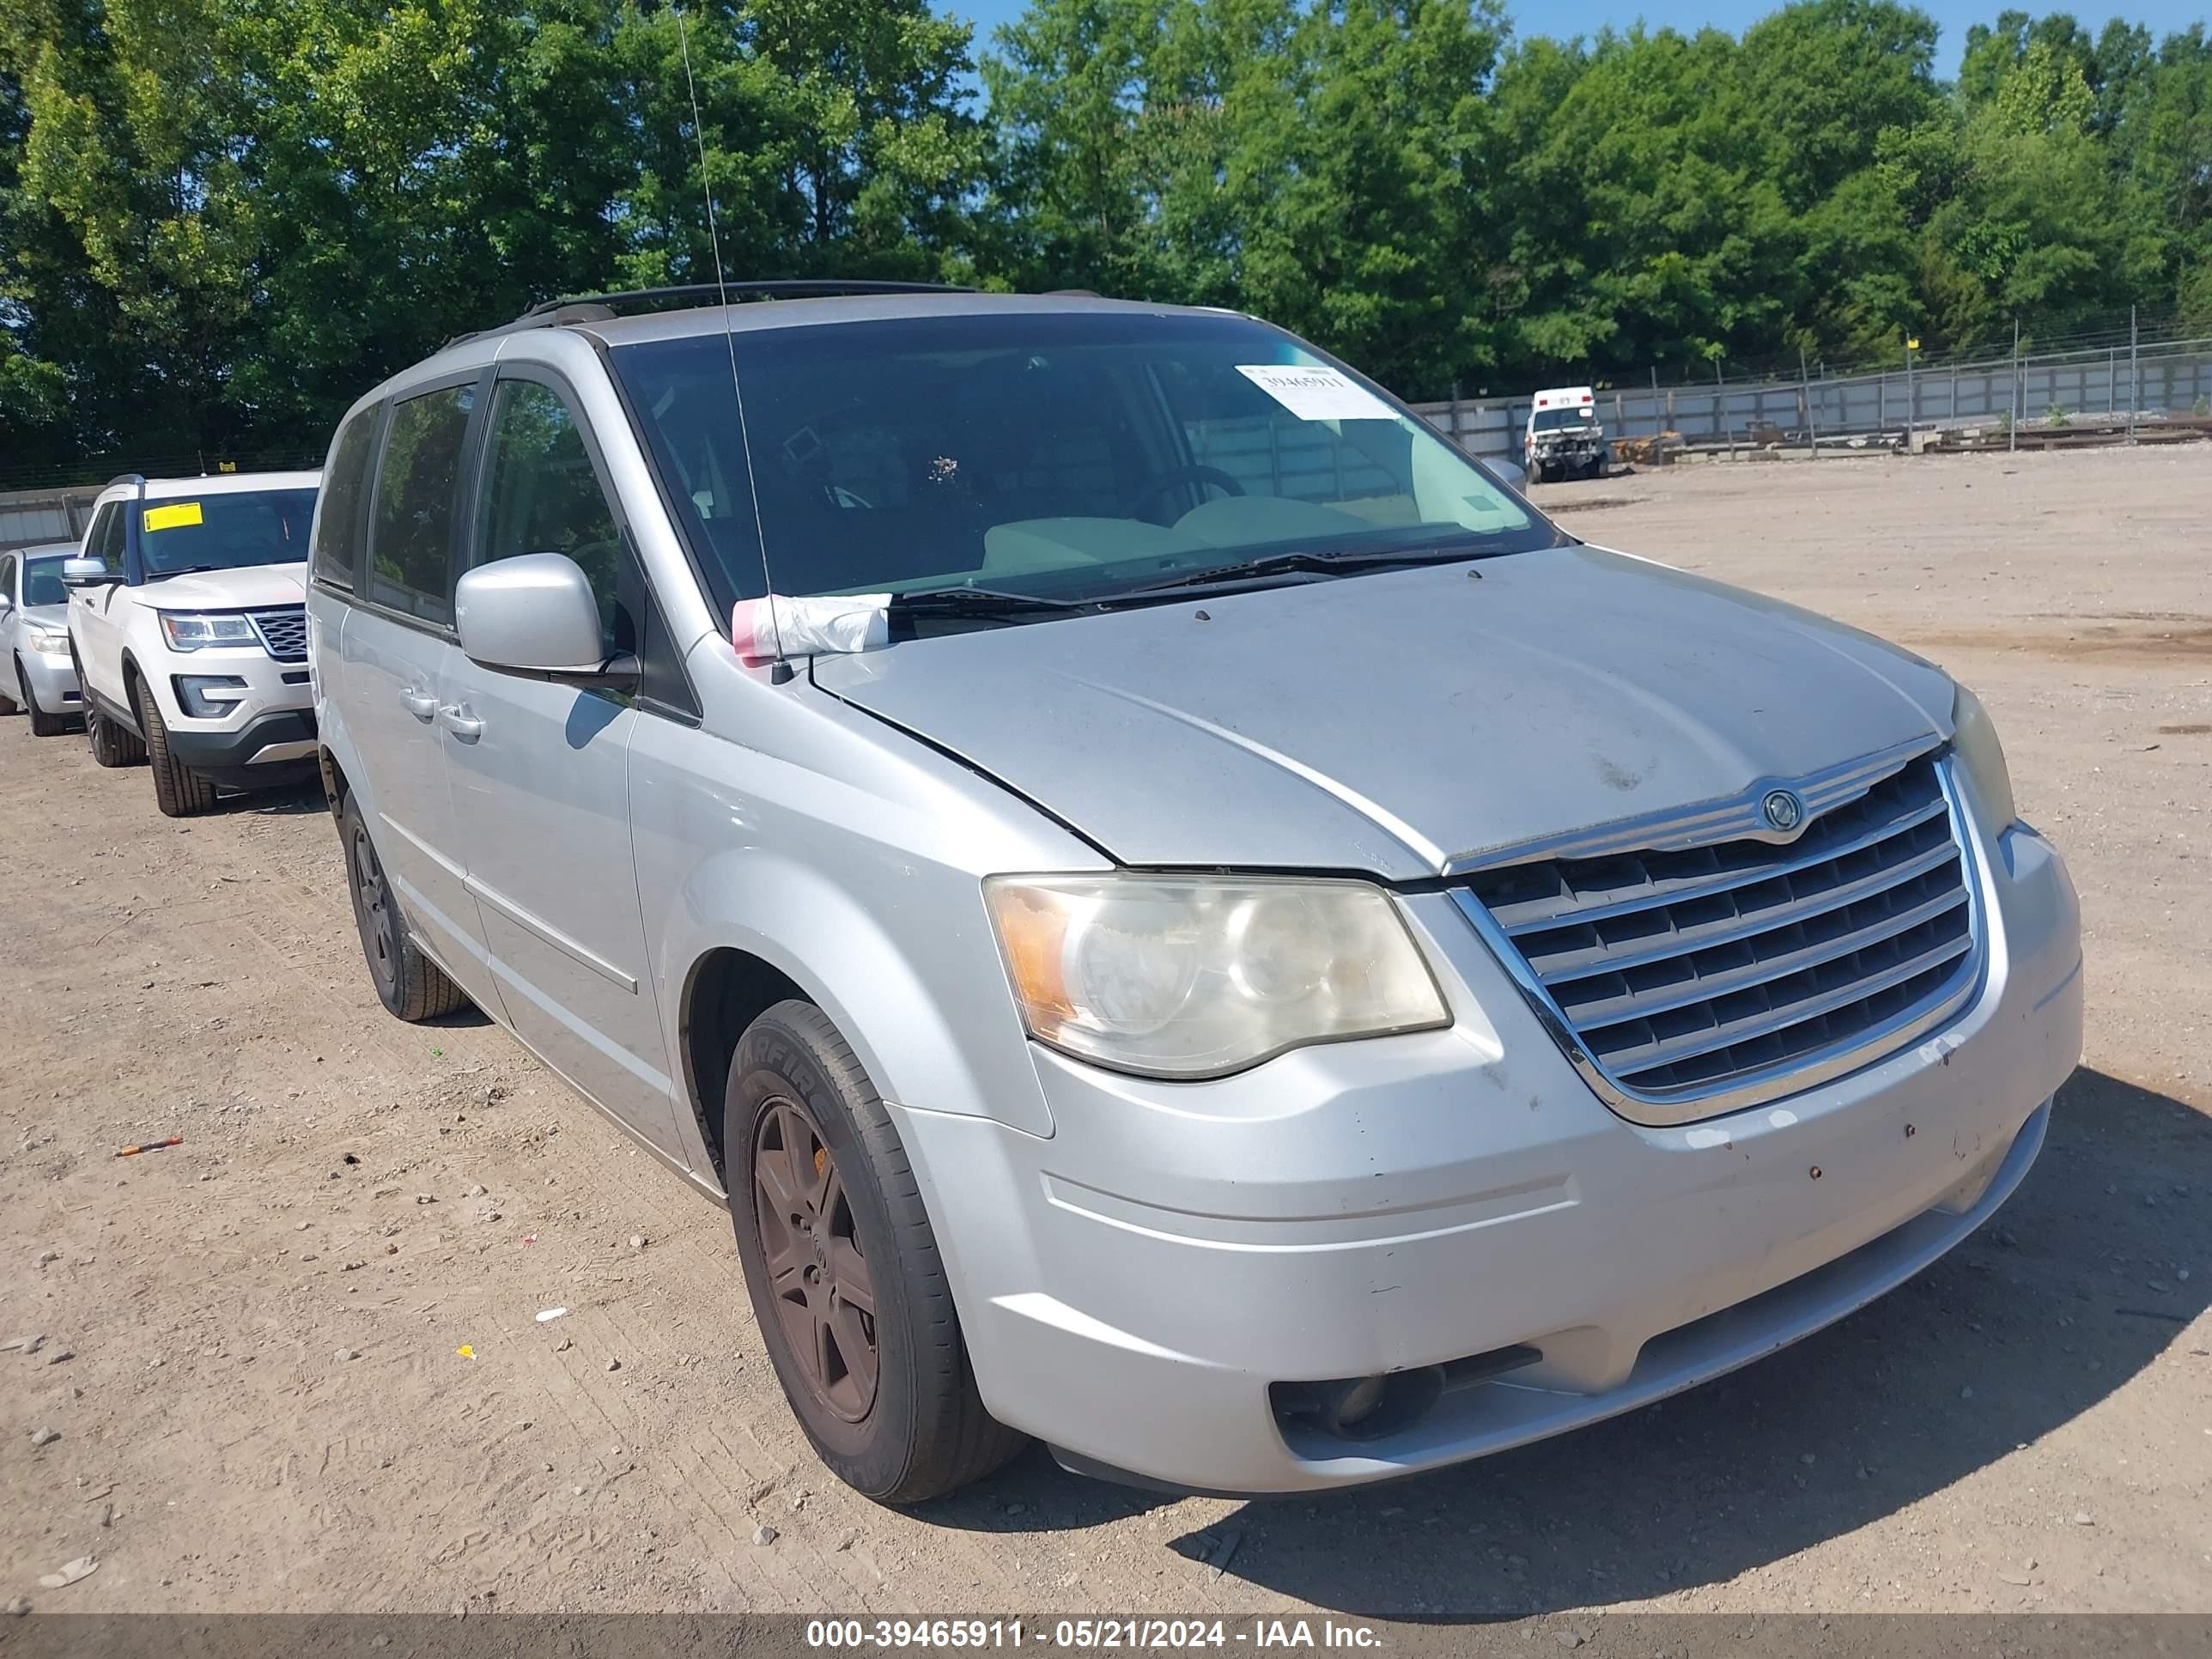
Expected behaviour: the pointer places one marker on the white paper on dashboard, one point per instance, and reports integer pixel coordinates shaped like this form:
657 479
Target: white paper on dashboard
1314 393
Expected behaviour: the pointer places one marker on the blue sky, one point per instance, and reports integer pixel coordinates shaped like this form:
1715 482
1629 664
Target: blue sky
1956 16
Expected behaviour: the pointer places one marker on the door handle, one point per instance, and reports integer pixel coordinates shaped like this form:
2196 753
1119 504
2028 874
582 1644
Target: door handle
421 704
467 727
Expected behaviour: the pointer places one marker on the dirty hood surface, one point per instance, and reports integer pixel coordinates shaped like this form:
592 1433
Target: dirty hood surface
1396 722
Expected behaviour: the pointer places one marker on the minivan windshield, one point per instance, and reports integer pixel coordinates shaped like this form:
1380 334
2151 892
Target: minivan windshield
42 581
225 531
1067 455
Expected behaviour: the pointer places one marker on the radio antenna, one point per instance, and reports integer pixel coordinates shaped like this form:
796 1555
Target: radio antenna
781 671
699 137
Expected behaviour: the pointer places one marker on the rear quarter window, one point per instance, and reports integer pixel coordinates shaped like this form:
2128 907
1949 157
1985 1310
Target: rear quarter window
336 559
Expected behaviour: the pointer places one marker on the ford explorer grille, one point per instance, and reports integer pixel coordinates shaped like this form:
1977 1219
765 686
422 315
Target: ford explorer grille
284 633
1708 976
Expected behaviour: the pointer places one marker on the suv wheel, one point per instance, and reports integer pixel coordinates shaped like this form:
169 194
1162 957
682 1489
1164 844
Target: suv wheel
408 984
843 1269
112 745
178 791
43 725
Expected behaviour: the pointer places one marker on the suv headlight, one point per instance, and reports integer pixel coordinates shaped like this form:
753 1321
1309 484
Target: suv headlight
1198 976
1974 741
188 631
47 639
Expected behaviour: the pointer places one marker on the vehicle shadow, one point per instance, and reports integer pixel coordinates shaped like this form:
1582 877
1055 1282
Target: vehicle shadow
291 800
2073 1288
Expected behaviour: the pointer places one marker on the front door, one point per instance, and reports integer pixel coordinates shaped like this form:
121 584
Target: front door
99 610
540 776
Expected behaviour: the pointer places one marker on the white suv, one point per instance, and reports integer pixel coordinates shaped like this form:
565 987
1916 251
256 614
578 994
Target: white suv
187 625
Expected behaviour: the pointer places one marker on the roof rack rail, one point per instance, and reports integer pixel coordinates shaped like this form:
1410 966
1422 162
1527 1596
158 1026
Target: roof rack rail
794 288
124 478
549 314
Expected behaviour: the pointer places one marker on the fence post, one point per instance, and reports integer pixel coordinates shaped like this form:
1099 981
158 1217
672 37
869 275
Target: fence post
2135 374
2012 407
1912 403
1805 402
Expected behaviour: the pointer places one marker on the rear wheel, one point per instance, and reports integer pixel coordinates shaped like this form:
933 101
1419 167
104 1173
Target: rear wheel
408 984
43 725
843 1269
178 791
7 703
112 745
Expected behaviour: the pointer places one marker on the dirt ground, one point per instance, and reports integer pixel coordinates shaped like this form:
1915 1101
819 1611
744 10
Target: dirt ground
293 1364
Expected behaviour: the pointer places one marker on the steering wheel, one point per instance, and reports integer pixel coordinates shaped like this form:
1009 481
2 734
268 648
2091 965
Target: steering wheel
1179 475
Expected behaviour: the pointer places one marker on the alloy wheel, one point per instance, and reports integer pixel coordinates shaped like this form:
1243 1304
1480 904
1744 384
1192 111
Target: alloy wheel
818 1277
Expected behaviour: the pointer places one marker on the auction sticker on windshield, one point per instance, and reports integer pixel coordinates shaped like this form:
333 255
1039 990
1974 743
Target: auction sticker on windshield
174 516
1315 393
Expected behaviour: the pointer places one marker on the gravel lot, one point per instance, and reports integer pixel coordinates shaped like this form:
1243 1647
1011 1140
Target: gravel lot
293 1364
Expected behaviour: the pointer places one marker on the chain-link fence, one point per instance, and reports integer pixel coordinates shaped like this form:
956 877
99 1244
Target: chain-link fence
2159 384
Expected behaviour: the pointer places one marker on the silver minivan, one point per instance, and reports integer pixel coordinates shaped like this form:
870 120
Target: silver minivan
1182 916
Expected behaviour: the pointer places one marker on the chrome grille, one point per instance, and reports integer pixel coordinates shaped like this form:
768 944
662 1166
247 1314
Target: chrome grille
1685 974
284 633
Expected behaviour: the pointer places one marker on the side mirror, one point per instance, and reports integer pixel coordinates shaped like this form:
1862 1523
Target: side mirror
1510 471
86 573
534 614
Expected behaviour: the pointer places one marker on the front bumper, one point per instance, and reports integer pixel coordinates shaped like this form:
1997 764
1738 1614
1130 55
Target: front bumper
52 680
279 740
1130 1287
267 732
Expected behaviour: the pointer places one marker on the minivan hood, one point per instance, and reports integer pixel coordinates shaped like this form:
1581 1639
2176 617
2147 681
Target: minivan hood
1402 722
248 588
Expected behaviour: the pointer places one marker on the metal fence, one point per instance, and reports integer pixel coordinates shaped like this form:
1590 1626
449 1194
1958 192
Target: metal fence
31 516
2171 377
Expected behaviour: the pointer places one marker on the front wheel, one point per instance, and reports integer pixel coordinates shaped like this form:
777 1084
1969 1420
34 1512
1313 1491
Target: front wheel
178 791
43 725
843 1269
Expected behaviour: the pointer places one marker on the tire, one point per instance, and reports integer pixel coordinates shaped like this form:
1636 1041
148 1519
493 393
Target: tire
43 725
797 1098
8 704
112 745
178 791
408 984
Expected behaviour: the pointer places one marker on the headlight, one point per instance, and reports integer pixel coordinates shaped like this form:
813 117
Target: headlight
1974 741
1194 977
189 631
48 642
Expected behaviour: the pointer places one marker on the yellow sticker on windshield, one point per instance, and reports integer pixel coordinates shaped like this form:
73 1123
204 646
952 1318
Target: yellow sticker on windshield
174 516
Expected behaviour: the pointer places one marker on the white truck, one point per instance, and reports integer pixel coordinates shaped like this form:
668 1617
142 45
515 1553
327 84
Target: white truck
1563 439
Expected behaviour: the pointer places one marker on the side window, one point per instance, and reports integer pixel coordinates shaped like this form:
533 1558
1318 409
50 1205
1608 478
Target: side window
411 534
540 494
336 553
104 541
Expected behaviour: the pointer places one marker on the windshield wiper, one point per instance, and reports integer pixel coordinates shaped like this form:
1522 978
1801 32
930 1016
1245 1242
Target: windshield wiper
1303 561
978 602
188 570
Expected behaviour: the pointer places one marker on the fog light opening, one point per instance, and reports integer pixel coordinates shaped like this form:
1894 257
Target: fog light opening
1362 1407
